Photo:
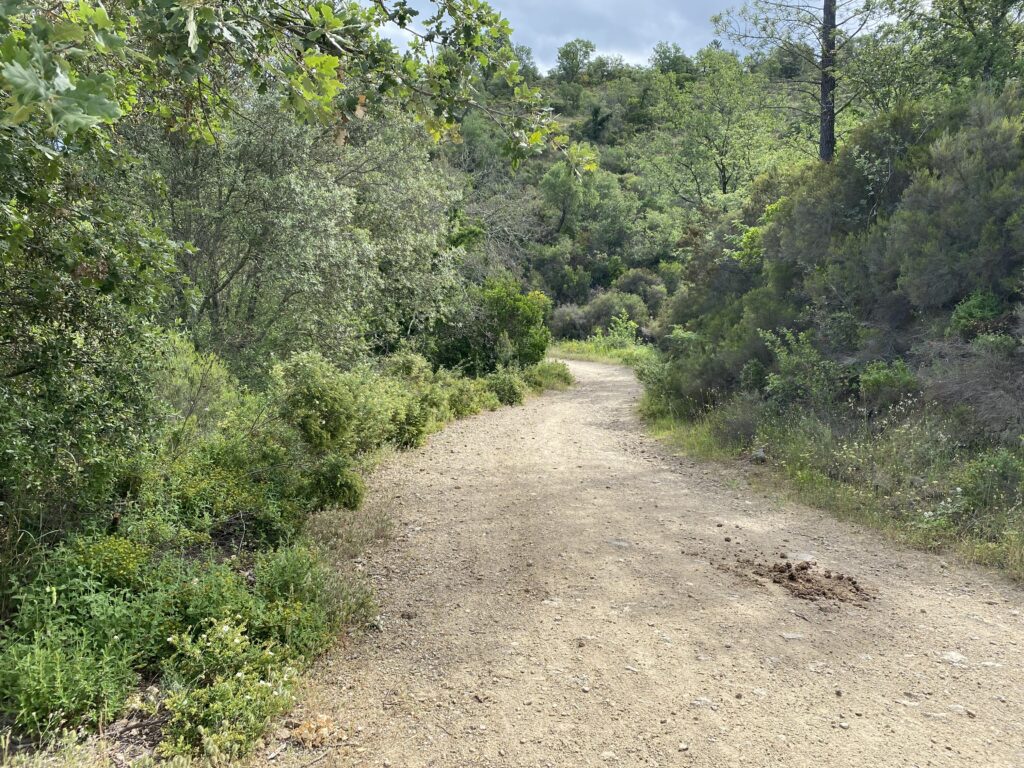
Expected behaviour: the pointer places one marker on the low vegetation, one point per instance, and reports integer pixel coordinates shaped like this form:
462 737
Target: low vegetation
867 445
201 585
235 272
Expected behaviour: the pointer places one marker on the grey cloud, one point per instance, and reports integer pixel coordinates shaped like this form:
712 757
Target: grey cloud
629 29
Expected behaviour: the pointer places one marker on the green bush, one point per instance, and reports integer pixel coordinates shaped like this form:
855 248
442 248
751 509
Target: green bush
995 345
801 374
223 691
336 483
107 605
412 422
508 386
606 307
301 611
568 321
498 325
753 376
645 284
467 397
547 375
319 402
988 495
191 593
113 560
882 385
734 424
978 314
248 475
63 677
410 366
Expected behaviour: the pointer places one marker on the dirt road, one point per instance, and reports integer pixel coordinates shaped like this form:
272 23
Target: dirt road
562 591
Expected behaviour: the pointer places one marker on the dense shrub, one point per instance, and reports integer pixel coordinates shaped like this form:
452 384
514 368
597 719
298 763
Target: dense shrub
569 321
978 314
988 495
884 384
336 483
995 345
499 325
61 677
956 231
508 386
801 375
606 306
470 396
223 691
301 606
735 423
645 284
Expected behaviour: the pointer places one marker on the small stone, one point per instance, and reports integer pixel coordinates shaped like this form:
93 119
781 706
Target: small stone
684 747
955 658
608 756
282 734
845 726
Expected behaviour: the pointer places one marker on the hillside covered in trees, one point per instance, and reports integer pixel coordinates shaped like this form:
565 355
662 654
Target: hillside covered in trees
247 246
820 237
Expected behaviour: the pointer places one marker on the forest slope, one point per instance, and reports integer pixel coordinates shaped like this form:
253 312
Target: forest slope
563 591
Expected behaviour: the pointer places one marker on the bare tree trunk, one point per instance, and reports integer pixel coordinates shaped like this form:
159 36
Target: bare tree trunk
827 132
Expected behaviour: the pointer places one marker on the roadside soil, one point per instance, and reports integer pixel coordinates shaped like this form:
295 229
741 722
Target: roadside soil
561 590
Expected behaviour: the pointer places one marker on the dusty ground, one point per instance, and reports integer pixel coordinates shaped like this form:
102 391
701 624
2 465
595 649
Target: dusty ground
562 591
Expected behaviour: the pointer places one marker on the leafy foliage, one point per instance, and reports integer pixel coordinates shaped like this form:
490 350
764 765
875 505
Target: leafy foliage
498 326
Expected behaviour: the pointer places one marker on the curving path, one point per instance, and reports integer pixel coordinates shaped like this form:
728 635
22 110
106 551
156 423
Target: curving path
562 591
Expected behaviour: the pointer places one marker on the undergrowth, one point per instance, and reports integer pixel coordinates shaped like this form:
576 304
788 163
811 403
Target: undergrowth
223 569
865 445
618 345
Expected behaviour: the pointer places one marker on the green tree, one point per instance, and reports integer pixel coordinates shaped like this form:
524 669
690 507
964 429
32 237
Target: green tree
498 325
818 32
669 58
573 59
713 137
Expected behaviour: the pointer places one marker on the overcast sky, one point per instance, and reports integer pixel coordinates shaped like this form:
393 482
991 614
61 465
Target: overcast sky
629 28
626 27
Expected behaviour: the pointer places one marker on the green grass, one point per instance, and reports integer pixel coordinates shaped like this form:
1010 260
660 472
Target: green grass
693 438
603 351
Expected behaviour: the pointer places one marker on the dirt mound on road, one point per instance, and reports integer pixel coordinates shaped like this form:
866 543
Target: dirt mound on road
807 581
